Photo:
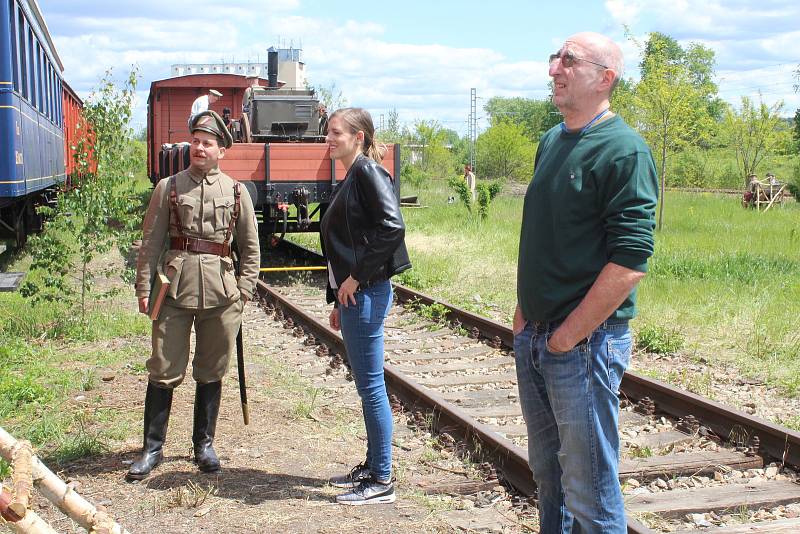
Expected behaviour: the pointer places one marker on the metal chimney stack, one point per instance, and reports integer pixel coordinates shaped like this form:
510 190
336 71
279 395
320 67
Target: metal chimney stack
272 67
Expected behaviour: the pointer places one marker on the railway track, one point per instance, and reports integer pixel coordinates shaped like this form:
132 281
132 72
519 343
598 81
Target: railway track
687 462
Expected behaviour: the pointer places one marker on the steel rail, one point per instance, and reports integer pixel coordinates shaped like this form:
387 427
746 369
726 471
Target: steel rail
508 457
727 423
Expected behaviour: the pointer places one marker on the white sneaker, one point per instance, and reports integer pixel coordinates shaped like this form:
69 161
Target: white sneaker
352 479
369 492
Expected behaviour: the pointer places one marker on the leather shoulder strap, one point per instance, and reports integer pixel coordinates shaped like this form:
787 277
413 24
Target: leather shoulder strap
237 198
173 202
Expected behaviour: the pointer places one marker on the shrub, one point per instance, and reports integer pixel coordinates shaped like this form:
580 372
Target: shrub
793 184
486 193
412 176
659 340
459 185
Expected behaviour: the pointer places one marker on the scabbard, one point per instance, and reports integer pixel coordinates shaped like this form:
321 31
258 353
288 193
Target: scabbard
242 379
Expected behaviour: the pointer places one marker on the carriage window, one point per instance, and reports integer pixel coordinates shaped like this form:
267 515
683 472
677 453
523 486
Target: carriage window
32 67
23 55
39 78
48 79
14 47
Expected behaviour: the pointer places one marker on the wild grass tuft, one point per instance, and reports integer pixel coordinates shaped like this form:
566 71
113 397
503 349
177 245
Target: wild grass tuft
658 340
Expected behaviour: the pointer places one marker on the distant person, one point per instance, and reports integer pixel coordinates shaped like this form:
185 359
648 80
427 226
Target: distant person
362 255
250 92
192 221
323 119
586 236
202 103
469 177
226 117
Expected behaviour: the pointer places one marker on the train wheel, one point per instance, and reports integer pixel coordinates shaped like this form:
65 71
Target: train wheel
247 136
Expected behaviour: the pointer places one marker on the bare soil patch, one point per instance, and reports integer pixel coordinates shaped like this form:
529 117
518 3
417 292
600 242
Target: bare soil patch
303 429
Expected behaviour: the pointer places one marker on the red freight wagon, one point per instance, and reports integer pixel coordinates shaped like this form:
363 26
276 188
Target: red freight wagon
72 106
278 153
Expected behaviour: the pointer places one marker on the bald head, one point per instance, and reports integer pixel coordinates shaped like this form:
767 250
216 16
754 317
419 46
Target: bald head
603 50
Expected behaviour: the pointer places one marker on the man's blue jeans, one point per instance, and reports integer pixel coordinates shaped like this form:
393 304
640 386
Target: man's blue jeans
570 405
362 331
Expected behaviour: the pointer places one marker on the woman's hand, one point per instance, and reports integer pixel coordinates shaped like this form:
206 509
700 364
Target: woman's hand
333 319
347 290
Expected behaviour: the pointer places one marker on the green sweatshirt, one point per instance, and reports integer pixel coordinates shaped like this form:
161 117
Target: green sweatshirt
592 201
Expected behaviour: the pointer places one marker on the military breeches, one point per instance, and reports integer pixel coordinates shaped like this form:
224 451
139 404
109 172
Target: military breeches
215 340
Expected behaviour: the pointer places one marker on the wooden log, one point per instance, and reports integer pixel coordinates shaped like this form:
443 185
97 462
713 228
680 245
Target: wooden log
5 512
31 524
22 479
56 490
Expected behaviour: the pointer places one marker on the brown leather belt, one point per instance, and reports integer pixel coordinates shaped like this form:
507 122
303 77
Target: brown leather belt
193 244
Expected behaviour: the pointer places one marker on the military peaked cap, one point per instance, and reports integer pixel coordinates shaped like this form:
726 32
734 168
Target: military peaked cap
215 92
209 121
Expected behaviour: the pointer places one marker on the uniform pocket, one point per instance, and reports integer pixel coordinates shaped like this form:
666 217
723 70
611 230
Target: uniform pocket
223 211
172 270
187 208
619 357
228 277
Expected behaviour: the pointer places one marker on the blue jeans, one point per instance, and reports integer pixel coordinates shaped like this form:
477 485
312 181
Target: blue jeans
362 331
570 405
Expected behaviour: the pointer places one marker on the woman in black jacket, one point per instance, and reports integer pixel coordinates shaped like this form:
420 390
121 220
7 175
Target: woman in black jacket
362 236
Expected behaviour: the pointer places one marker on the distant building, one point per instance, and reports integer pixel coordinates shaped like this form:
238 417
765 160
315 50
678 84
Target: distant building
415 152
291 68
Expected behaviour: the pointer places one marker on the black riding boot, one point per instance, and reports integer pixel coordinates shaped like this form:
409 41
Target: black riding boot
157 404
206 409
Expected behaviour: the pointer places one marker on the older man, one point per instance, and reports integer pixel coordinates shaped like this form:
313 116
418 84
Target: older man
587 233
193 219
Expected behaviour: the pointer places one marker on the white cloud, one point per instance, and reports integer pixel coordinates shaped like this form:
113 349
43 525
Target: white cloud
755 43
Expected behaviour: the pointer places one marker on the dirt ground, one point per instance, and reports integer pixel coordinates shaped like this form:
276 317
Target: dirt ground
305 426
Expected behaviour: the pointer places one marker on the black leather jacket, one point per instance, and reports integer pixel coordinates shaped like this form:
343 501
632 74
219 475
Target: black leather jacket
362 230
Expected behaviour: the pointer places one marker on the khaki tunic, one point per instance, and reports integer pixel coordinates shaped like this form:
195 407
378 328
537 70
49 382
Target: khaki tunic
204 291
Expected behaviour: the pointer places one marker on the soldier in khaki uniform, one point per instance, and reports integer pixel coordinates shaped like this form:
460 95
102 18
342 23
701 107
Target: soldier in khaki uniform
191 221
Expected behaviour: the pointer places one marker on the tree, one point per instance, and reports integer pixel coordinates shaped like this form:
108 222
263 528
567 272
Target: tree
752 131
671 114
698 59
393 132
534 116
505 152
98 211
434 158
796 130
330 95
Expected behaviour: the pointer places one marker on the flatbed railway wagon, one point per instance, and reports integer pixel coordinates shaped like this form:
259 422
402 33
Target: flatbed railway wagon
278 153
38 118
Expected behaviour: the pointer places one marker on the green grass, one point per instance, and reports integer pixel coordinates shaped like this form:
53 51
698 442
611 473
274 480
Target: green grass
47 358
724 280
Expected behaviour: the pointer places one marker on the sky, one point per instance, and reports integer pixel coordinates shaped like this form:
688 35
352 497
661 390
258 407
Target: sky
420 58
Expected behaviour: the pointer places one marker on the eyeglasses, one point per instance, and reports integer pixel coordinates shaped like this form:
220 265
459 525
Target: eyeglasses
568 59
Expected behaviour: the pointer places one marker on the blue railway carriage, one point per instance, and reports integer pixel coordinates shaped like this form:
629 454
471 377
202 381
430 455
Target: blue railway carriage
32 164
